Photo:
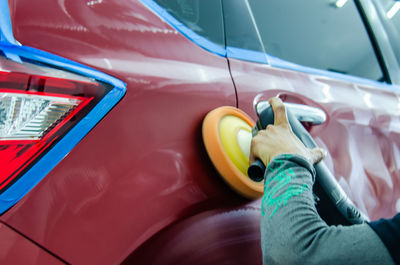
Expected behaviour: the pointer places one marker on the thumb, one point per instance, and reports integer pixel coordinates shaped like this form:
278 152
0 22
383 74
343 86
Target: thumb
253 148
316 155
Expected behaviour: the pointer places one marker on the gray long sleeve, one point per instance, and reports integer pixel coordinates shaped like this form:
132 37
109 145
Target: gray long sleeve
292 231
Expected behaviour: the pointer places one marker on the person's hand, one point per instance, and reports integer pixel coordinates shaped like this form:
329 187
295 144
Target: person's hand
279 139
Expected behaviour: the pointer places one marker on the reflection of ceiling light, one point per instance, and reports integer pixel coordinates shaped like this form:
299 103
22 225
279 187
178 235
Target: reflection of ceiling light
393 10
91 3
340 3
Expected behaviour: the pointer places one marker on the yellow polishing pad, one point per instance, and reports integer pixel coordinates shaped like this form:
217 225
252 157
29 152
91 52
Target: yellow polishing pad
227 138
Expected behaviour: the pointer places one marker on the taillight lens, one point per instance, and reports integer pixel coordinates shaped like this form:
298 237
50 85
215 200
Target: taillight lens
39 104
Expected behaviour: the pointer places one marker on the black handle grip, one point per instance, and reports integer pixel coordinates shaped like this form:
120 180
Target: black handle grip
256 171
324 177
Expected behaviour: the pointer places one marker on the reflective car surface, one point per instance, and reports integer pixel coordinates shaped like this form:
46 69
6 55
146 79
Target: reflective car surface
130 181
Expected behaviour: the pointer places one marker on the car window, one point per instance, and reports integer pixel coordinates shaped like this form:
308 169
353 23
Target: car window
240 33
317 33
389 11
204 17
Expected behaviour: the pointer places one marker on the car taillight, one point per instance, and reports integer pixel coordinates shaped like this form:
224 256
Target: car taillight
47 105
39 104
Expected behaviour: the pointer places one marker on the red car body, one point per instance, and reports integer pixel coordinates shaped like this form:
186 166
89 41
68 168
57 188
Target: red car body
140 188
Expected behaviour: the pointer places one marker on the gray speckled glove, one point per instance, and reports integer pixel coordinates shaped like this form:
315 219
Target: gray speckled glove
292 231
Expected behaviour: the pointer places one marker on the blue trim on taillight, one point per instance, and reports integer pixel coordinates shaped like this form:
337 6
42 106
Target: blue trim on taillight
6 35
42 167
51 59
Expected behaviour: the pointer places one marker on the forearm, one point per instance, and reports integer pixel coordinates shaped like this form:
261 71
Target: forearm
292 231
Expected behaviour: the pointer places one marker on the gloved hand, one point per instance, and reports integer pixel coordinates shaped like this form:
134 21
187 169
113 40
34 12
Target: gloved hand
279 139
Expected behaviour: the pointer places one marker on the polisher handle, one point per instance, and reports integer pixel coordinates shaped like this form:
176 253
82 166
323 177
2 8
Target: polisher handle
324 178
256 171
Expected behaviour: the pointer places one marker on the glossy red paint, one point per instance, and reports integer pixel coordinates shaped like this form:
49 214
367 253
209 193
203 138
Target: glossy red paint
17 250
361 133
143 166
213 237
141 178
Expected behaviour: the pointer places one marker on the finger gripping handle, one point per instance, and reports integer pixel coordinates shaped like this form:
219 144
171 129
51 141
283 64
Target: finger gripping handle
256 170
324 177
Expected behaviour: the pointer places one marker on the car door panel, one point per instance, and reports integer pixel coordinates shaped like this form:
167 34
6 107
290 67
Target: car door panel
360 132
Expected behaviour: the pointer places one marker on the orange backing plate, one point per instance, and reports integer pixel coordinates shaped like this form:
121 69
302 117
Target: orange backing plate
217 153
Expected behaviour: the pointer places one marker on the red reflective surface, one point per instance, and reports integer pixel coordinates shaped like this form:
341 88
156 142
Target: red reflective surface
17 250
141 179
143 166
231 236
